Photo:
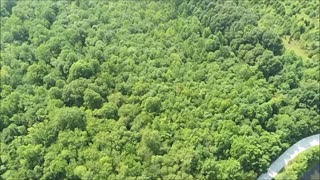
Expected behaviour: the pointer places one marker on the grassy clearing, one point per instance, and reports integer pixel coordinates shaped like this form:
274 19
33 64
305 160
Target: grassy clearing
295 47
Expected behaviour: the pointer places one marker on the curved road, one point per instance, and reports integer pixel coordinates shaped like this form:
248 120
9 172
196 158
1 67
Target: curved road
290 154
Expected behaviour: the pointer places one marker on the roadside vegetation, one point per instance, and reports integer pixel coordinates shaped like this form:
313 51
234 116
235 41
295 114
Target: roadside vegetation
301 164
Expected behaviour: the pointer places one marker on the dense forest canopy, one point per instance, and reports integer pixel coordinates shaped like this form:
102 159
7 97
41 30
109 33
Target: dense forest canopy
175 89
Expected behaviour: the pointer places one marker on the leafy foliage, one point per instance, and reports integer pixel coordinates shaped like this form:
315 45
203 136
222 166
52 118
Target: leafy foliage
153 89
301 164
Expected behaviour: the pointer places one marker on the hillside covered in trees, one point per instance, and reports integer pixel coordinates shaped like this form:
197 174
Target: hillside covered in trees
173 89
